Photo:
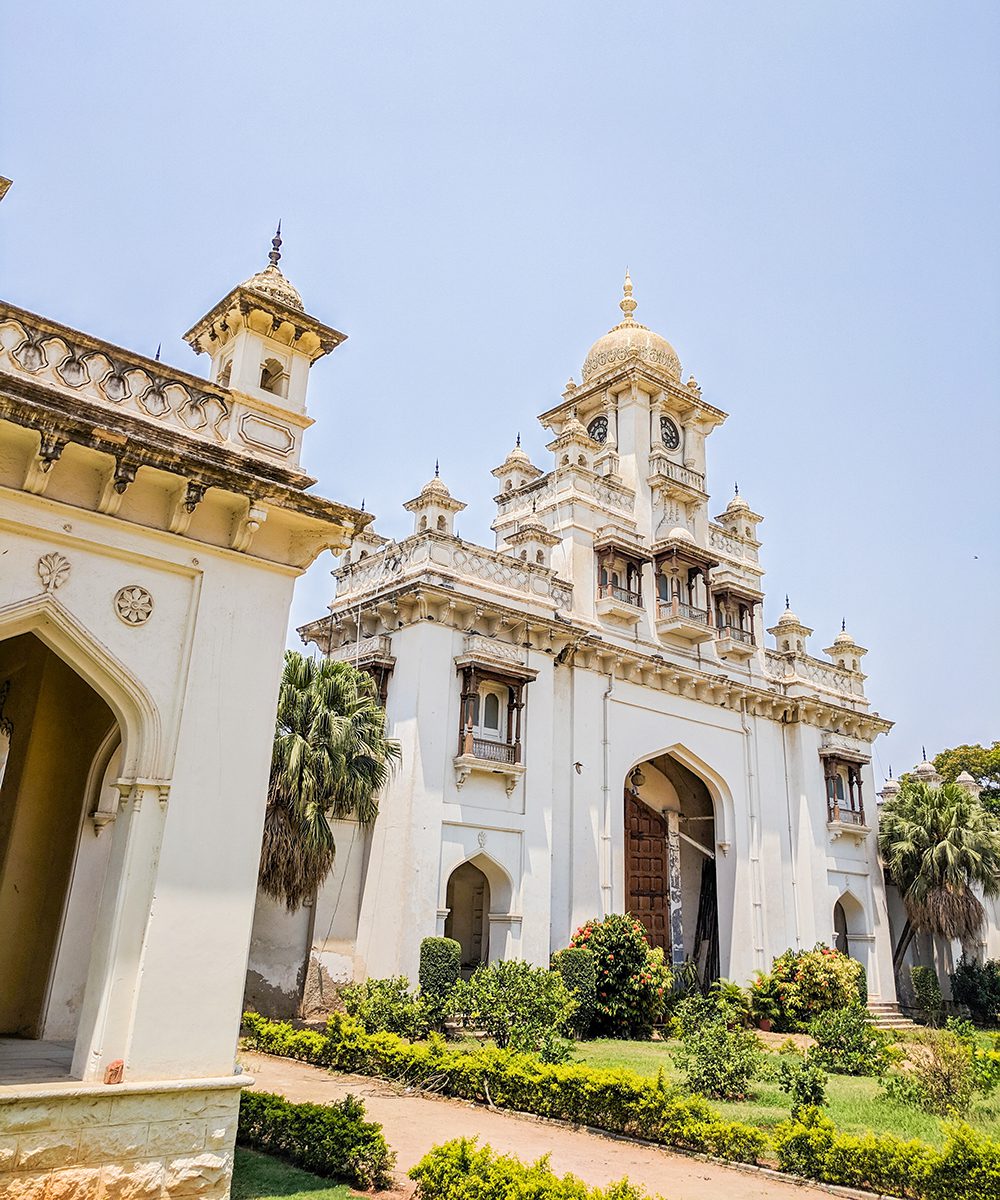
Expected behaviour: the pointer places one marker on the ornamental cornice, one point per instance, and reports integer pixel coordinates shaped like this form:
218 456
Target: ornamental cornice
681 395
398 607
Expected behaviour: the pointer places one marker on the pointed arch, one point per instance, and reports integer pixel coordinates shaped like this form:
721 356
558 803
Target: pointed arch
54 625
501 884
718 789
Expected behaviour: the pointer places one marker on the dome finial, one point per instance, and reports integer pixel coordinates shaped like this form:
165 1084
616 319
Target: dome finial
518 442
159 347
275 253
737 486
843 625
627 304
787 605
437 468
923 751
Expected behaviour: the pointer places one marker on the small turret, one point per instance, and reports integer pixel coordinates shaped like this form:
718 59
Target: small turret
789 633
435 507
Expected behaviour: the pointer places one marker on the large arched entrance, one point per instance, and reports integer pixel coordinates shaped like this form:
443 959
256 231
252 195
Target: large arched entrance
670 878
62 744
468 920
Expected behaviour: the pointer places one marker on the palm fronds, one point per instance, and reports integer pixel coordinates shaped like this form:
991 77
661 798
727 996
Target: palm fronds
330 759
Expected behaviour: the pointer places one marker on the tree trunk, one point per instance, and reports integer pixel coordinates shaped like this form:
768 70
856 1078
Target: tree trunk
905 938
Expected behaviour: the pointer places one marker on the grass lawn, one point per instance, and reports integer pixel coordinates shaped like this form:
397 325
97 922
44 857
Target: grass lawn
855 1105
259 1177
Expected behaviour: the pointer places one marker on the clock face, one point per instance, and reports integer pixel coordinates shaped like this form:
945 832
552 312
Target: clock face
669 433
598 429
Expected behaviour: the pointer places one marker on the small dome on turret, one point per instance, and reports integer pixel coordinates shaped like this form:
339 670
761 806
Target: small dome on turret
435 486
517 457
737 504
574 426
271 282
788 617
627 340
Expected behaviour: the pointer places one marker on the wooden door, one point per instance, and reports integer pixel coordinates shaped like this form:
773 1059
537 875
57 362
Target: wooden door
647 877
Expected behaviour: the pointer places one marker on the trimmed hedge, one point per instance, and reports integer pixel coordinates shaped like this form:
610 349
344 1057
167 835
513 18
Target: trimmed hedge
968 1168
621 1102
440 967
332 1140
579 973
618 1101
458 1170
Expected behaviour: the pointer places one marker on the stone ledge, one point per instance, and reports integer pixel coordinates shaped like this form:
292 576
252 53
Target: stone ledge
88 1089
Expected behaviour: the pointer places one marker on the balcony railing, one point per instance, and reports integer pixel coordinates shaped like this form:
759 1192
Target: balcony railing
610 591
736 634
840 814
490 751
661 465
665 609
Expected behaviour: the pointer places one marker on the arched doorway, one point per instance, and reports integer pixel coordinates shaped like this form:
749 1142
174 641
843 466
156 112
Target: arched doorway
851 932
61 741
468 921
670 877
840 929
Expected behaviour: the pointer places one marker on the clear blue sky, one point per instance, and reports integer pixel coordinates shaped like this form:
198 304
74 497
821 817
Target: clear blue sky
806 193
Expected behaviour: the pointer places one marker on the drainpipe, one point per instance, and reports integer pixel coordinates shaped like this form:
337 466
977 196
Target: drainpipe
756 890
606 889
792 870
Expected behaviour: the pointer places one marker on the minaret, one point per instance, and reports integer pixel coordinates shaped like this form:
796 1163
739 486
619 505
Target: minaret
261 340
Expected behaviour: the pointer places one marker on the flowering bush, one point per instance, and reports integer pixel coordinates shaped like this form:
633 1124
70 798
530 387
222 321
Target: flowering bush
807 983
633 981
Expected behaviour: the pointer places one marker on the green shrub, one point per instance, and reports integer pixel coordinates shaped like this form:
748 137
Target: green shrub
616 1101
927 992
941 1076
632 979
720 1062
332 1140
459 1170
517 1004
804 1081
386 1005
726 1002
968 1168
440 967
977 985
810 982
849 1043
579 974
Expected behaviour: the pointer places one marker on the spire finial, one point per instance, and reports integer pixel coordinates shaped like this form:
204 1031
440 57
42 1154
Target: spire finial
923 751
275 253
159 346
788 606
627 304
843 625
890 770
737 487
437 469
362 504
518 443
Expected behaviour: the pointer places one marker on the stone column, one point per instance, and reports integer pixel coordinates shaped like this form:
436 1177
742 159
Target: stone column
674 886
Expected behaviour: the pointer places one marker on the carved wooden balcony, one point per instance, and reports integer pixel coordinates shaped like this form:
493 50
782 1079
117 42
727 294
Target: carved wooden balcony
490 757
733 642
676 618
619 603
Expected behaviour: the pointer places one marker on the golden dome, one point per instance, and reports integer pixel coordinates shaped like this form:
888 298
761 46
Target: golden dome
630 340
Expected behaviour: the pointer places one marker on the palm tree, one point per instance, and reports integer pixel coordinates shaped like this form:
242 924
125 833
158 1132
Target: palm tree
938 844
331 758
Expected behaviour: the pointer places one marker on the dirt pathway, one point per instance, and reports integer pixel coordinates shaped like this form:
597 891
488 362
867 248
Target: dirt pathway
414 1122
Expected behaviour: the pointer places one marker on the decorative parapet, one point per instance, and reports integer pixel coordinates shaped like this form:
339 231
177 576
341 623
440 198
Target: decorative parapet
803 669
612 496
75 364
489 649
838 745
740 549
450 558
366 649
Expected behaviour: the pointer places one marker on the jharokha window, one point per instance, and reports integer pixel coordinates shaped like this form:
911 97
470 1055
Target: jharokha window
490 716
844 801
619 577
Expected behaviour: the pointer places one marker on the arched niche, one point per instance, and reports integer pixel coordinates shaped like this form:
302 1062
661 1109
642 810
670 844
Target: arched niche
477 897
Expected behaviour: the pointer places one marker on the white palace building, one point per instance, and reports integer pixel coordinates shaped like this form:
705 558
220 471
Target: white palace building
591 720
